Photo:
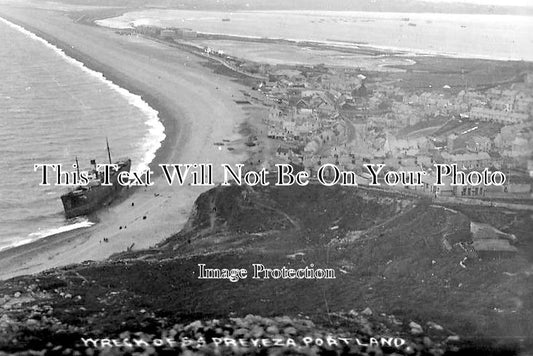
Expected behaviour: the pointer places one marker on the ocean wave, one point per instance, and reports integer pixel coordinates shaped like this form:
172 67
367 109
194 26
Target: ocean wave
156 131
77 223
19 242
144 152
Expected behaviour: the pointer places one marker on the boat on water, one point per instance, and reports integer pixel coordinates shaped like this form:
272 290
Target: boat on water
86 199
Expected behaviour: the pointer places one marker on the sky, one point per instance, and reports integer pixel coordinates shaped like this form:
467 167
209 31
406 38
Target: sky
528 3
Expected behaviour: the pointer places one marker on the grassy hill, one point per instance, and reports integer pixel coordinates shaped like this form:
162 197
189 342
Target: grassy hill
398 260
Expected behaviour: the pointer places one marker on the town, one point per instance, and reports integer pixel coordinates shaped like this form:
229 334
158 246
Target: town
349 117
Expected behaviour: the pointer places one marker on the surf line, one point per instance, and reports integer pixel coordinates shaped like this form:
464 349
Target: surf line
156 130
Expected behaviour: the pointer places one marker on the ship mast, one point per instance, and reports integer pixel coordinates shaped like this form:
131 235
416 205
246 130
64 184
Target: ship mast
108 152
77 166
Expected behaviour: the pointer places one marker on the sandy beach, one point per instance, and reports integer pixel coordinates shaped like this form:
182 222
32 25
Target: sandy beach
197 108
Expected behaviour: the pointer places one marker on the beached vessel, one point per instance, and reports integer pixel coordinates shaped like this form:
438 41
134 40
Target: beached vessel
98 192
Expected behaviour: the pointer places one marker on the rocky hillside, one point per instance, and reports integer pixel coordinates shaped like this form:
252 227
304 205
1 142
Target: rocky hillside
405 270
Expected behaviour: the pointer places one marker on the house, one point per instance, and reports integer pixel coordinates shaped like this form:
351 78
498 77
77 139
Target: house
489 242
424 160
303 103
187 33
497 116
521 146
477 160
515 187
479 144
167 34
148 30
428 186
482 231
312 146
494 248
283 153
276 133
471 191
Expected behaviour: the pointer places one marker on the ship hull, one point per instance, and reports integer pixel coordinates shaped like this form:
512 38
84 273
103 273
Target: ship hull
84 201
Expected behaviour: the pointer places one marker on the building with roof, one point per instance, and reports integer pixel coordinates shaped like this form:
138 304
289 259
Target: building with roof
497 116
478 160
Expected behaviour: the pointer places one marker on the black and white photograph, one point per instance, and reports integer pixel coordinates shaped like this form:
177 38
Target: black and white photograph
266 177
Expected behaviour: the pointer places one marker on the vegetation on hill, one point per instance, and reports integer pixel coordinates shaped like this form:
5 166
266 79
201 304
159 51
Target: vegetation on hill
403 269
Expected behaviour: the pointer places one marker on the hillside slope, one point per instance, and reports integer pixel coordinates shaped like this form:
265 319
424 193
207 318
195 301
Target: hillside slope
404 268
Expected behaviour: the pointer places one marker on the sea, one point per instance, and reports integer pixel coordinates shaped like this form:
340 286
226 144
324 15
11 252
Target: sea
500 37
52 110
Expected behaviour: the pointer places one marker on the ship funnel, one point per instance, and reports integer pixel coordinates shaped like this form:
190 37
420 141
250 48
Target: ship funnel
93 162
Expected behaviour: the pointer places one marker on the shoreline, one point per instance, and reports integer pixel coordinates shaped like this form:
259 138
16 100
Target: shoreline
179 140
172 127
172 130
364 48
374 50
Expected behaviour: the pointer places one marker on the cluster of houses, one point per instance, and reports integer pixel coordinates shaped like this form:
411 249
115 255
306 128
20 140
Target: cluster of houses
178 33
498 116
336 115
322 115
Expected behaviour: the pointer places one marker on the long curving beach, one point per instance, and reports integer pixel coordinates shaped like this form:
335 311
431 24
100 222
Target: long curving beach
196 107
